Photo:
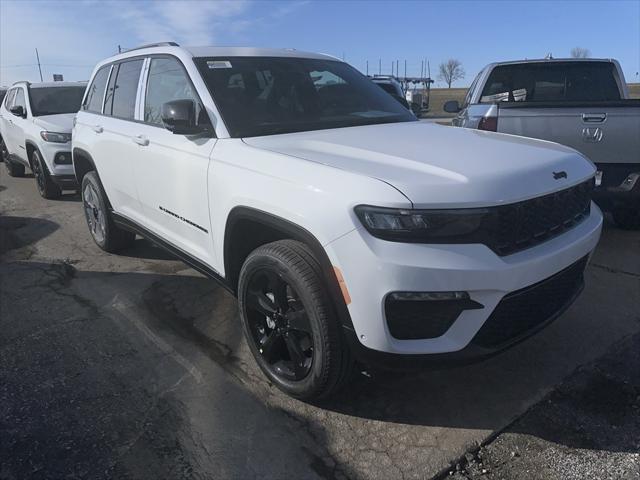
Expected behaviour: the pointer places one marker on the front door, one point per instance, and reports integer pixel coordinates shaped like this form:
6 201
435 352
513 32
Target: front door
171 169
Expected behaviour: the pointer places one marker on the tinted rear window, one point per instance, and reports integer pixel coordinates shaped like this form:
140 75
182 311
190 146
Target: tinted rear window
55 100
551 82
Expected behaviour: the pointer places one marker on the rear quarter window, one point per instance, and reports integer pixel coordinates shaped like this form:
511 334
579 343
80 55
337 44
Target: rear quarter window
551 82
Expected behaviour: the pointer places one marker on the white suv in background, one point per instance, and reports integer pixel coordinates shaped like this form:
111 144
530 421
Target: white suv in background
347 228
35 132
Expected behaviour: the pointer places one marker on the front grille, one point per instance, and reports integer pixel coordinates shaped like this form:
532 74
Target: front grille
525 224
522 311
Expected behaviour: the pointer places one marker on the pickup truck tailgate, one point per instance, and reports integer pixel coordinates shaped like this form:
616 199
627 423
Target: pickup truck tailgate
605 134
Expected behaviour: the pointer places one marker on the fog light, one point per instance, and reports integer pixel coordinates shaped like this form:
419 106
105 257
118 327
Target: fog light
62 158
422 315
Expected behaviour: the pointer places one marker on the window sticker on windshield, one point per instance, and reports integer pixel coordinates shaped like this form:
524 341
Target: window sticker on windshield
219 64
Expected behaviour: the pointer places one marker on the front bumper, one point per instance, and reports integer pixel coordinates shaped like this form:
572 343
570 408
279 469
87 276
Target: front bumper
54 154
373 268
65 182
620 187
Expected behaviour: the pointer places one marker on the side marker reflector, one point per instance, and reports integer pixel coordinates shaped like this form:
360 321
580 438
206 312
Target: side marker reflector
343 285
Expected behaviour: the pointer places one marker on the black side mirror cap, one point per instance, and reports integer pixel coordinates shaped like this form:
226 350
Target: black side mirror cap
452 106
179 117
18 110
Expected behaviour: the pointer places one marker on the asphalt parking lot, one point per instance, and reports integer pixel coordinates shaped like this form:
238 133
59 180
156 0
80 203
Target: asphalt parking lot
134 366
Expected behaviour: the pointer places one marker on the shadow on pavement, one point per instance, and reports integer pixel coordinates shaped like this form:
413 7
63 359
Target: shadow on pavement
19 232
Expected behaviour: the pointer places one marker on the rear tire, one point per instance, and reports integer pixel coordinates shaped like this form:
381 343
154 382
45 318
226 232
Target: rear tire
290 323
46 186
107 235
13 169
627 218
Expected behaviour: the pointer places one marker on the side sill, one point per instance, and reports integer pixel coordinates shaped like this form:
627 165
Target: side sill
194 263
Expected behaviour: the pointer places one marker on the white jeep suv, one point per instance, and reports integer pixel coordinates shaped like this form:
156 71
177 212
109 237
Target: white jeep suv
346 228
35 132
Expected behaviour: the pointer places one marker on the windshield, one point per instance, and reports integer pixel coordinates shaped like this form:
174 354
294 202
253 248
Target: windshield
55 100
270 95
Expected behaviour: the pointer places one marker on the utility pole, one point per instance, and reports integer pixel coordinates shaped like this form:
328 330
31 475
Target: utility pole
39 68
367 68
397 70
428 69
405 69
422 69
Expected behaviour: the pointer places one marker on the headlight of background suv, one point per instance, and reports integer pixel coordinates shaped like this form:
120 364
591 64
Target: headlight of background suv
54 137
423 226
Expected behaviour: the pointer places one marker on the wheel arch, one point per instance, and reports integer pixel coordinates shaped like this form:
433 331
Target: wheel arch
248 228
31 147
82 164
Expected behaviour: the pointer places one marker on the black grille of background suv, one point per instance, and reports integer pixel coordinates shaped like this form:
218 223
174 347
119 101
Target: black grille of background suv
523 311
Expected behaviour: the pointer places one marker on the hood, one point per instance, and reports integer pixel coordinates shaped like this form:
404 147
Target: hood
61 123
435 165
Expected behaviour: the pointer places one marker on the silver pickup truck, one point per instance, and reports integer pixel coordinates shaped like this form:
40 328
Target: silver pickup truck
581 103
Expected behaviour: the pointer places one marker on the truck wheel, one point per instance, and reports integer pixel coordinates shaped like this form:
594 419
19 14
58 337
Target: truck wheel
627 218
46 187
13 169
107 235
289 322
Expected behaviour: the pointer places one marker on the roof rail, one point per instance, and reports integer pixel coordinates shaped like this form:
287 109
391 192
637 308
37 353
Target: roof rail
21 81
159 44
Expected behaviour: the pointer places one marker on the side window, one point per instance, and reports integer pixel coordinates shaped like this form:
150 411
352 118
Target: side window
19 99
122 93
95 92
169 81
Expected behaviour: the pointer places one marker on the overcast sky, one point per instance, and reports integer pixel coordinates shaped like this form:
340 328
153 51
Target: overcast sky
71 36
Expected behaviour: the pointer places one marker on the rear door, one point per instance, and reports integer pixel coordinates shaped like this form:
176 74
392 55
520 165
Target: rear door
116 149
171 169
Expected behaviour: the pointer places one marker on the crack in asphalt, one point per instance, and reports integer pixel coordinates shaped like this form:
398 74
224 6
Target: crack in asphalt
614 270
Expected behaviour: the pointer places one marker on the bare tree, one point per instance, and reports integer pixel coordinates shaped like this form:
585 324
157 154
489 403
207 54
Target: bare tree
579 52
450 71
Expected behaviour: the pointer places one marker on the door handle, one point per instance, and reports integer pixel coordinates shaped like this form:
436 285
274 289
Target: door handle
141 140
98 128
594 117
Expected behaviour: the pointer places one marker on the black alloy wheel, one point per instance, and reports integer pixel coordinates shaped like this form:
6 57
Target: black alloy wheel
279 325
290 323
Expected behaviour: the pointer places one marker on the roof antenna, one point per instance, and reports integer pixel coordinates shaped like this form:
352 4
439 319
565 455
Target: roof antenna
549 56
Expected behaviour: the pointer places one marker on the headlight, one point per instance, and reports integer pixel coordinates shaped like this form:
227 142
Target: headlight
424 226
54 137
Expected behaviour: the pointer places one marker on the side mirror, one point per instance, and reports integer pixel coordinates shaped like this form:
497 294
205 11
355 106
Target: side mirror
401 100
179 117
452 106
18 110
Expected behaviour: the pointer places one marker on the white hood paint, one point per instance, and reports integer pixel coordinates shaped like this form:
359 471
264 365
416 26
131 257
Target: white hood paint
434 165
61 123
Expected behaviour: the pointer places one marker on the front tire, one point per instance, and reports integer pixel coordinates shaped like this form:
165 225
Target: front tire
46 187
107 235
627 218
289 321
